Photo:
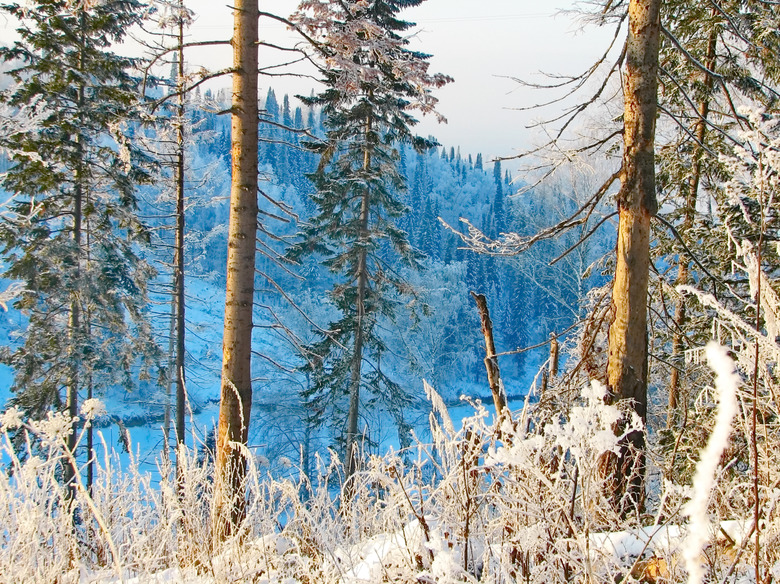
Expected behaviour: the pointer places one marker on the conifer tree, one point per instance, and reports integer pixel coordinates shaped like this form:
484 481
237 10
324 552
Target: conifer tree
73 233
372 83
498 202
269 133
727 58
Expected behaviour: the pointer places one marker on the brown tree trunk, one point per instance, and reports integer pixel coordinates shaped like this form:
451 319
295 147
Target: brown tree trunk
688 220
236 393
491 362
627 364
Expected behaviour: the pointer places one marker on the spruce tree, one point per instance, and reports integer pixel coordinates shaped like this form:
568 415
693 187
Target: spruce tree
729 58
498 202
72 235
372 83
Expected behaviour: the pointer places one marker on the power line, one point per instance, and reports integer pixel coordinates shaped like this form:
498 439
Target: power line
421 21
485 18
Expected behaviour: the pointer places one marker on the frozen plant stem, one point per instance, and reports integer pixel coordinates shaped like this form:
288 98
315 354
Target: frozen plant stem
754 412
726 384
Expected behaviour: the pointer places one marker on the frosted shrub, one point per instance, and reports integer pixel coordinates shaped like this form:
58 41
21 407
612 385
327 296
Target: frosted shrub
124 524
35 526
519 503
551 496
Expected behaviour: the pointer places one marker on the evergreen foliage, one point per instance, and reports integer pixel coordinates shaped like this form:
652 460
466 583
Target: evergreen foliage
372 83
72 233
713 61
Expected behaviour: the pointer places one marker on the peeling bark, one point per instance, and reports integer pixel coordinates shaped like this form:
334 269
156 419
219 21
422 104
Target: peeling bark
627 363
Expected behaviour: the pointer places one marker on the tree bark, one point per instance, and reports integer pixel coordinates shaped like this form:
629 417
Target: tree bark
236 393
627 363
688 220
74 338
491 362
180 226
74 318
170 379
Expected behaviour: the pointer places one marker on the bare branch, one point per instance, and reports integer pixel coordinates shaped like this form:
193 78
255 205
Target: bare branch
578 80
513 244
687 249
574 111
583 239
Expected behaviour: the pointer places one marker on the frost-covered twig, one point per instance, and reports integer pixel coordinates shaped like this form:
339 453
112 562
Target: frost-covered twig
726 383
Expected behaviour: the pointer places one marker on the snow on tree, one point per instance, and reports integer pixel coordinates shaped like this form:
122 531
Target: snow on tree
72 234
373 83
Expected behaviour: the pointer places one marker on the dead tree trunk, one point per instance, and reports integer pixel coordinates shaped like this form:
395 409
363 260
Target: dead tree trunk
491 362
627 364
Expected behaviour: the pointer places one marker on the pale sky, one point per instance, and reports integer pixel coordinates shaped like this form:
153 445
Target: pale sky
480 44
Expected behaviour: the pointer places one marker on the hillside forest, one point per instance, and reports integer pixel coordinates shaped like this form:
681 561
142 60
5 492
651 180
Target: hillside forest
254 336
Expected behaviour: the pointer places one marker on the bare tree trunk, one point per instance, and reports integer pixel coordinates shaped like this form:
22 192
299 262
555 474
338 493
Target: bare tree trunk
360 309
74 338
179 267
236 393
169 381
627 364
491 362
90 442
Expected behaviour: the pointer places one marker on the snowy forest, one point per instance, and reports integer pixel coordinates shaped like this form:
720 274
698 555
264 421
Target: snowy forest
249 335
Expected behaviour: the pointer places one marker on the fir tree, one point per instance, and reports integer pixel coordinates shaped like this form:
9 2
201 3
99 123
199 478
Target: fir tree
372 82
72 235
269 133
498 202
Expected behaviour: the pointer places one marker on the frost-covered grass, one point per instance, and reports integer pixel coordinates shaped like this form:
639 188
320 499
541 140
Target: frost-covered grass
522 503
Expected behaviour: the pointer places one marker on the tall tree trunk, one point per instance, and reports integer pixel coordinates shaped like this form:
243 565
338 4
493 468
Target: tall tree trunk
170 379
236 392
74 318
360 310
691 199
90 440
74 338
627 364
179 267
